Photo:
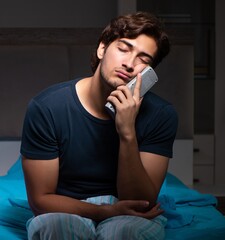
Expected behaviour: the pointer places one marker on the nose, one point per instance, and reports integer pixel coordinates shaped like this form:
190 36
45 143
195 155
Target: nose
129 63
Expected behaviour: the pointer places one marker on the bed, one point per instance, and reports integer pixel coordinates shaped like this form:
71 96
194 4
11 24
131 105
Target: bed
190 214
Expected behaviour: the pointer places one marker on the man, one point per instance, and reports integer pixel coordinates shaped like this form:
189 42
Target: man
89 176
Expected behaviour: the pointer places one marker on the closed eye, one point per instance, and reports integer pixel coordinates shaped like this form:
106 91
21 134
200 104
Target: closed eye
123 49
146 60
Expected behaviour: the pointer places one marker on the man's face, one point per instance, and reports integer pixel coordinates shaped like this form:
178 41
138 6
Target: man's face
125 58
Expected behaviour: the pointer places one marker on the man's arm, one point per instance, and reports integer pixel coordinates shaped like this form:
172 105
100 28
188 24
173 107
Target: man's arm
41 177
140 174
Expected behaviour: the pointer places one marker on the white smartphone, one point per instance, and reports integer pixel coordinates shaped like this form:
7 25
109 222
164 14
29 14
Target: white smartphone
149 78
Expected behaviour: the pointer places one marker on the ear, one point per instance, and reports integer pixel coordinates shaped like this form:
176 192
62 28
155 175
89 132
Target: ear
101 50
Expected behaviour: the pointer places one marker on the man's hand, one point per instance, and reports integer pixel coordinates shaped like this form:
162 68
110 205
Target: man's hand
127 107
137 208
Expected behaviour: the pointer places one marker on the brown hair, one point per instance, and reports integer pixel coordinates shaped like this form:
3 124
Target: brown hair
131 26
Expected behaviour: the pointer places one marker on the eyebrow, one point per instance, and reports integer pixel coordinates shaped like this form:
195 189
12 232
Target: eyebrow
131 46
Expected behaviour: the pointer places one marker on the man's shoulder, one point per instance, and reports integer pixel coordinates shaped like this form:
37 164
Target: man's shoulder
155 102
54 91
155 99
154 108
54 98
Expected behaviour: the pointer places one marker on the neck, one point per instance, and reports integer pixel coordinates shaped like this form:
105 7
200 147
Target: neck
92 94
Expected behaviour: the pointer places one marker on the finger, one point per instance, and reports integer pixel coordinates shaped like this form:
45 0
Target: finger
148 214
119 95
139 205
137 87
157 206
126 91
156 209
155 214
114 101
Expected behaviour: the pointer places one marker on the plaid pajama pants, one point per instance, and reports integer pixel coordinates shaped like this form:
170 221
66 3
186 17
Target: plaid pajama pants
63 226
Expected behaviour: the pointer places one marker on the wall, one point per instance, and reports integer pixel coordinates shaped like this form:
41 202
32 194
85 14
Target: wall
47 42
42 44
200 17
26 69
56 14
219 95
9 153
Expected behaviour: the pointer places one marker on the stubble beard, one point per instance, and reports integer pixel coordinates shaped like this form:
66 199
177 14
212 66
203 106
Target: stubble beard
105 79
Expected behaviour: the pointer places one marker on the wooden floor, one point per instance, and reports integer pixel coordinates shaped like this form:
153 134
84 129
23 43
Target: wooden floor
221 204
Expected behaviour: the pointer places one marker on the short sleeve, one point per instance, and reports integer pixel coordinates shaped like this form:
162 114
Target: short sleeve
39 136
160 132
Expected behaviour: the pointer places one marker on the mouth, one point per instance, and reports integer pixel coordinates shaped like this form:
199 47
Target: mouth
125 76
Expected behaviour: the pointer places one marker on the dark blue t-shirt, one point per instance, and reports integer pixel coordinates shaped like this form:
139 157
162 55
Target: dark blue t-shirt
57 125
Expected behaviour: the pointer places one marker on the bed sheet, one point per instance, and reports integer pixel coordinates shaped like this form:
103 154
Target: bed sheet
191 215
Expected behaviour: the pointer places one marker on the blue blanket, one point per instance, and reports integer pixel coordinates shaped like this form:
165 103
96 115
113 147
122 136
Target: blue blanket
183 207
175 194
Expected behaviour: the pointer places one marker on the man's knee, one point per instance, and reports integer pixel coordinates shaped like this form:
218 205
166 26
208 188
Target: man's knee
40 227
128 227
60 226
